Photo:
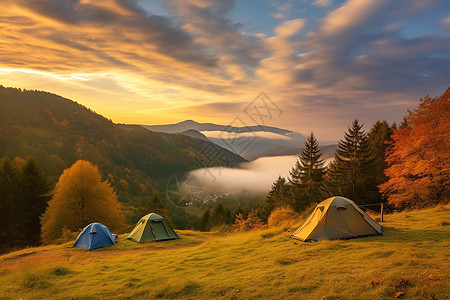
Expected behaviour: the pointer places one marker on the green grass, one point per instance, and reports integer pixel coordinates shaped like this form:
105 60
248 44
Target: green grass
412 257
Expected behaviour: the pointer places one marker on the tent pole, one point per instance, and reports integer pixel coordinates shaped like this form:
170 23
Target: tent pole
382 206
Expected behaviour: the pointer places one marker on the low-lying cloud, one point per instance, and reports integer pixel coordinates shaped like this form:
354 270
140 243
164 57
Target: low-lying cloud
255 177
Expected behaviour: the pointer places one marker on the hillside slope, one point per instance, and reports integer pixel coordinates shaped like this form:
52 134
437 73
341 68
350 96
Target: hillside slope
411 257
58 132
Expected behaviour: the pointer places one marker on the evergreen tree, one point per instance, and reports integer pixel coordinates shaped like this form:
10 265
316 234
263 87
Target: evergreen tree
9 184
278 194
34 196
220 214
155 205
379 135
204 221
351 173
307 176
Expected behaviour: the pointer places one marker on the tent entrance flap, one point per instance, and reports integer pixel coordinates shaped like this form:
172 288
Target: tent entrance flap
159 230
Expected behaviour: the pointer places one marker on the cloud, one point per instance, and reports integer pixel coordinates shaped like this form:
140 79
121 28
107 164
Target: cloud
322 3
351 16
365 58
290 28
256 176
62 36
446 21
283 9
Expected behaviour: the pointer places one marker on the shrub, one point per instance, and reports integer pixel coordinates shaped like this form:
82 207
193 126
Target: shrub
245 224
66 236
222 228
282 216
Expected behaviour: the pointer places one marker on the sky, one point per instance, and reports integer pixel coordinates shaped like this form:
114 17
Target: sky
305 65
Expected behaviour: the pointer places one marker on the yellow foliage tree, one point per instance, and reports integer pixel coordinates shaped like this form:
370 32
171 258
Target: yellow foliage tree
80 198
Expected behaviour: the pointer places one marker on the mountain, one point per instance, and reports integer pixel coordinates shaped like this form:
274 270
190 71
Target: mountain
250 142
190 124
195 134
58 131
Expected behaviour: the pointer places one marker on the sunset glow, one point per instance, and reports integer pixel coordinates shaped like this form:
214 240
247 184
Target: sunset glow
323 63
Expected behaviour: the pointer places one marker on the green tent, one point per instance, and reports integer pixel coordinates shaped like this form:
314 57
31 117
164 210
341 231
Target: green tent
337 218
152 227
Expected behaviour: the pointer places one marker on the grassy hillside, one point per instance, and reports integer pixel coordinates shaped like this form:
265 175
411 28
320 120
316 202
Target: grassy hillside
411 257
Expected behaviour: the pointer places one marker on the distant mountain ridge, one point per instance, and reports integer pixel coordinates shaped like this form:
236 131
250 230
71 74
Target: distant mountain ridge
195 134
190 124
250 142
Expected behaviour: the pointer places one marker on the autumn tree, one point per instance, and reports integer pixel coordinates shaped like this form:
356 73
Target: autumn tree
351 172
81 197
419 156
307 175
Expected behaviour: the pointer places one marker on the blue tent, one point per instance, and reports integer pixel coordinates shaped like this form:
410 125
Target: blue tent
93 236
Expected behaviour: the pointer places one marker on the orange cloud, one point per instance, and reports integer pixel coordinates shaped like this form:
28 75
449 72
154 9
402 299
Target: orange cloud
136 66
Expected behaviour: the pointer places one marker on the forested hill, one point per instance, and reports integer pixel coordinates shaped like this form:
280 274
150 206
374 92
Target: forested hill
58 131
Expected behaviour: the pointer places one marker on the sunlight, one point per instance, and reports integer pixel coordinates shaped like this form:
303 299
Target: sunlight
81 77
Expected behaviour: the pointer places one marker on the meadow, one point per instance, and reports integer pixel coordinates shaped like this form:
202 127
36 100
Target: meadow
409 261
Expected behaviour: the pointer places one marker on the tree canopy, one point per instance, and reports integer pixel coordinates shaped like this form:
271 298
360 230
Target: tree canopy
419 156
351 173
307 175
24 193
80 198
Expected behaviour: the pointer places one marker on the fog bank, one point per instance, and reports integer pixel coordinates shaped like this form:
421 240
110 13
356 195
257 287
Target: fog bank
255 176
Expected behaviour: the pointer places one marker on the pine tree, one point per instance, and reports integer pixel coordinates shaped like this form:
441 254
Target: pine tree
9 187
351 173
379 135
307 176
220 214
34 196
278 194
204 221
155 205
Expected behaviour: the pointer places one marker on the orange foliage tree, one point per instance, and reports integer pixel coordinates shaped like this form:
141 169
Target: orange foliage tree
419 156
80 198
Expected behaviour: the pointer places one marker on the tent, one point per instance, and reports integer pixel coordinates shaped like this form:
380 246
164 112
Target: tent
93 236
152 227
337 218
